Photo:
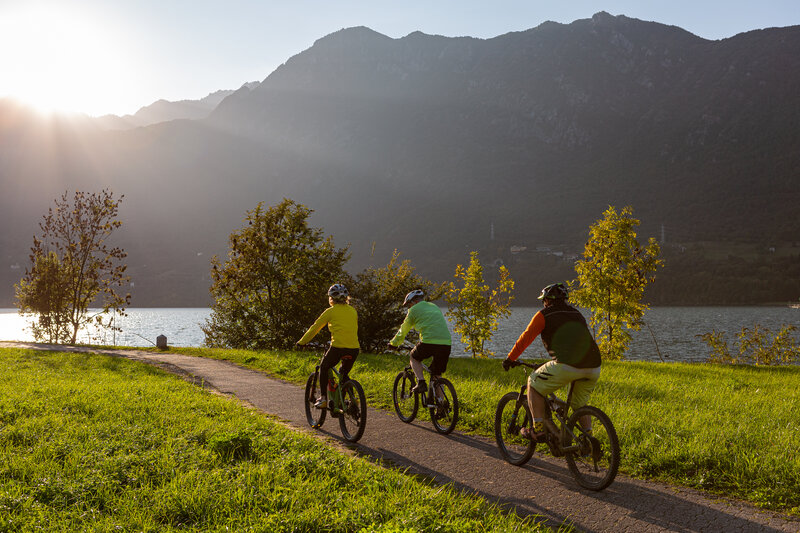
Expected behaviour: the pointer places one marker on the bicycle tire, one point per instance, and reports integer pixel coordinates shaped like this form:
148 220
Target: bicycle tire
406 403
314 416
509 418
445 415
353 418
595 466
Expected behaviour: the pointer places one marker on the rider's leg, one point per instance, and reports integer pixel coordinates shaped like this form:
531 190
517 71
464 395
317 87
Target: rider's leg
348 360
416 366
536 405
582 391
329 360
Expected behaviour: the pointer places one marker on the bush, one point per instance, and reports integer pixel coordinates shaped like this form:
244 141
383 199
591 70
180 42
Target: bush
756 346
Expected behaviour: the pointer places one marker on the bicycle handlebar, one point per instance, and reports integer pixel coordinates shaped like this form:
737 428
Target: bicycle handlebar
523 363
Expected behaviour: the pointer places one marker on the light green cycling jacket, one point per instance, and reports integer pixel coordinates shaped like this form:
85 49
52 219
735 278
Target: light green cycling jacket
427 319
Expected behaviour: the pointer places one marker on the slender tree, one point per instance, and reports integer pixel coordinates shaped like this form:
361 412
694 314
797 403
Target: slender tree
74 268
612 276
378 294
475 308
275 280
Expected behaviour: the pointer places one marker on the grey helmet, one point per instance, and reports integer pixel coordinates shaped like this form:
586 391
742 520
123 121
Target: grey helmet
554 291
338 291
413 295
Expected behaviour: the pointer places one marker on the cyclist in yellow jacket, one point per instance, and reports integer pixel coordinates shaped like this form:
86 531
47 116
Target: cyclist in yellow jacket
342 321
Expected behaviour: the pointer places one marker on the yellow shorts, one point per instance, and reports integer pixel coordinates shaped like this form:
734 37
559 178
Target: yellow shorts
553 375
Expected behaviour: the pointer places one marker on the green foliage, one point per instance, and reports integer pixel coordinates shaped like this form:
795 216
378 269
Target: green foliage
379 293
74 268
756 346
612 277
474 307
275 281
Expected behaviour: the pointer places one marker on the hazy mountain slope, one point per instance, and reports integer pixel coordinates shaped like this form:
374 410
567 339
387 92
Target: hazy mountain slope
438 146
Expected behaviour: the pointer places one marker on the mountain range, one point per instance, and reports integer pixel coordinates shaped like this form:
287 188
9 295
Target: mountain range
437 146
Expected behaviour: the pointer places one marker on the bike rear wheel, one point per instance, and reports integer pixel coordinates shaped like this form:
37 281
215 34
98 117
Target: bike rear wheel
406 402
353 419
314 416
445 413
595 465
509 418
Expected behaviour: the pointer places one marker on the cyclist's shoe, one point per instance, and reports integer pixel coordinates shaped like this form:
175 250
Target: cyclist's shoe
322 403
528 433
420 387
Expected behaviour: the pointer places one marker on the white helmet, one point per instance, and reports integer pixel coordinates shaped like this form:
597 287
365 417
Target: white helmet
338 291
413 295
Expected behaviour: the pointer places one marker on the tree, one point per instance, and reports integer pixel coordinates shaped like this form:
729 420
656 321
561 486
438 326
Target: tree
274 283
379 293
74 268
475 308
612 277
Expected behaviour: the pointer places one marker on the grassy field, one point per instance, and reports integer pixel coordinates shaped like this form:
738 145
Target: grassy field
731 430
96 443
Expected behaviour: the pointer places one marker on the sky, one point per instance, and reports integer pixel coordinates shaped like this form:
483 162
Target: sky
114 56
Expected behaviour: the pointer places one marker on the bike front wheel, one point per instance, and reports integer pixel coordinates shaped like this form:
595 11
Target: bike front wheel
511 416
406 402
444 414
314 416
595 465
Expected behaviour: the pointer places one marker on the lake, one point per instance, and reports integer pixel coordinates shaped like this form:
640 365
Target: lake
675 329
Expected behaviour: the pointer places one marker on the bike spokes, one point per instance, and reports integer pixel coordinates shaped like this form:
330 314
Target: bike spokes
444 414
353 418
594 465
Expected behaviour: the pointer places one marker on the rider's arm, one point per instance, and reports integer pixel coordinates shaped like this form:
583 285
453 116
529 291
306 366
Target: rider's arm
405 327
316 327
533 330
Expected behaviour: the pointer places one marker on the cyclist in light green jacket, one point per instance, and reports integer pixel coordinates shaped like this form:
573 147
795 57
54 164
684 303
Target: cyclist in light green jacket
434 336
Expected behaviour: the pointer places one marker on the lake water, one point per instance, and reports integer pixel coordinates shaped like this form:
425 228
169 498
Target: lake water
675 329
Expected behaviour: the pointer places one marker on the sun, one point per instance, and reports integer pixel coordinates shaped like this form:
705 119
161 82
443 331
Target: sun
60 60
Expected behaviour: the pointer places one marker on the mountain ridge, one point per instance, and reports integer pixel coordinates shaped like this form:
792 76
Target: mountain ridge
438 146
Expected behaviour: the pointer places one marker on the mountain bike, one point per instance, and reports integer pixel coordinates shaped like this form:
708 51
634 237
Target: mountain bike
440 399
586 438
346 401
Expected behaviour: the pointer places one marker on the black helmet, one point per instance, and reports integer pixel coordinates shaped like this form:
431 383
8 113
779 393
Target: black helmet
338 291
554 291
413 295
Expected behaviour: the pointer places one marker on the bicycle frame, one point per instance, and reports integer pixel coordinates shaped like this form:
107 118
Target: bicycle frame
555 406
335 400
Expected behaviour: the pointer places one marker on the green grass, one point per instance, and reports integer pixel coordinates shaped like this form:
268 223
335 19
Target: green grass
731 430
90 442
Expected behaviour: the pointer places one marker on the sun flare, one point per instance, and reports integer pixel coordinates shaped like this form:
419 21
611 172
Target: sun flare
58 60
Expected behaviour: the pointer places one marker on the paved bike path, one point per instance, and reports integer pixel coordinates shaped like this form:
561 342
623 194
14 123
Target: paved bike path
473 464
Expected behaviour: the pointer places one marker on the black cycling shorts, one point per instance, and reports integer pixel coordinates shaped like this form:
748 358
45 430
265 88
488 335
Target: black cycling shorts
439 352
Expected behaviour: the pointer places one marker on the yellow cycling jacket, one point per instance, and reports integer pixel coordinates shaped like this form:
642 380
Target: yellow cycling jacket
342 321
